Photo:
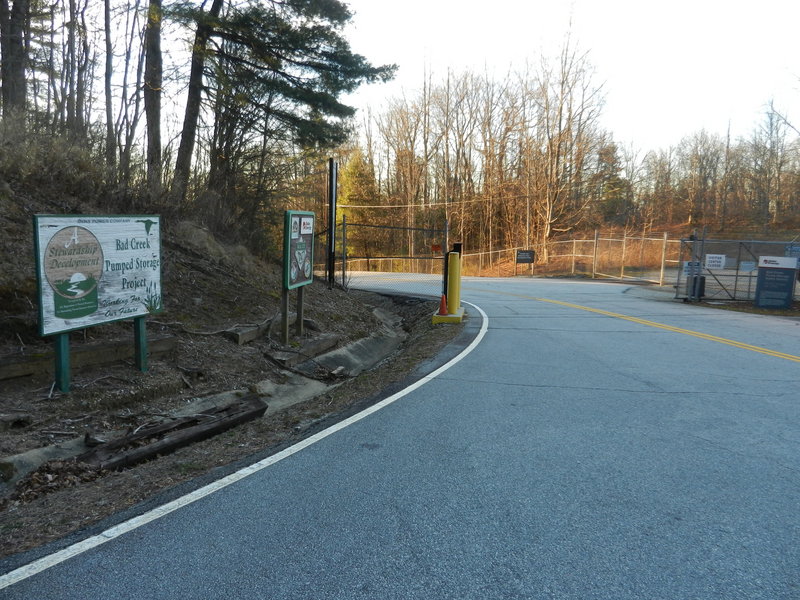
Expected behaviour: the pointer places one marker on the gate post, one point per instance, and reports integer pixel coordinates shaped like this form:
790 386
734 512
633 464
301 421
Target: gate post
622 265
574 250
332 180
663 259
344 251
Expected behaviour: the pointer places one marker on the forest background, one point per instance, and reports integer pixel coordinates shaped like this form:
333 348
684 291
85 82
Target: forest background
225 111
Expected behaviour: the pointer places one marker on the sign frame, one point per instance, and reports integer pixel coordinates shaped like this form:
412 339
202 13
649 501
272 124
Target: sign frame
691 266
792 249
298 248
121 255
776 280
715 261
298 264
525 257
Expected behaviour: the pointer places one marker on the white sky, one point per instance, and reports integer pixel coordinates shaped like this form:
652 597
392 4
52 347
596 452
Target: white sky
668 68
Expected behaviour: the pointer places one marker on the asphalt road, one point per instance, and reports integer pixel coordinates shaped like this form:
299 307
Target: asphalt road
596 443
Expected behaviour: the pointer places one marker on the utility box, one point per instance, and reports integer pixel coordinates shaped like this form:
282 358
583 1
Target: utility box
696 286
776 280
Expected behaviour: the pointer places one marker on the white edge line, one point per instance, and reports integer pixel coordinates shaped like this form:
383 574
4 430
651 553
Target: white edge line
116 531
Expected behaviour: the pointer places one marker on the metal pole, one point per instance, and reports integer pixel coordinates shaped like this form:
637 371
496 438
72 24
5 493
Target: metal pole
344 251
574 250
332 179
594 254
285 317
445 244
696 283
62 362
298 324
738 262
622 266
663 259
140 343
694 269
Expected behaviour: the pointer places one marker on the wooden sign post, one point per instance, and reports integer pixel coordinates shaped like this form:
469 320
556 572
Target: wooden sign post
92 270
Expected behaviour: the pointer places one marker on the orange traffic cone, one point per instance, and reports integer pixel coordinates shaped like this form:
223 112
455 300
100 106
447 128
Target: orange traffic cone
443 306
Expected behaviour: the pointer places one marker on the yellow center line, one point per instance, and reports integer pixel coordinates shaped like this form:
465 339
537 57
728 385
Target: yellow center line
697 334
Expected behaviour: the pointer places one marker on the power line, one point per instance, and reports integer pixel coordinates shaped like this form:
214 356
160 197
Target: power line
437 205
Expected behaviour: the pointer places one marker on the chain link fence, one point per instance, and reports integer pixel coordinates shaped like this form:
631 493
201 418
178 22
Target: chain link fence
391 259
638 258
728 269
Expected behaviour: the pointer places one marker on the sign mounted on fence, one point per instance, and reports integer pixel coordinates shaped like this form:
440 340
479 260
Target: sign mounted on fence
526 257
298 246
747 266
792 249
715 261
96 269
691 267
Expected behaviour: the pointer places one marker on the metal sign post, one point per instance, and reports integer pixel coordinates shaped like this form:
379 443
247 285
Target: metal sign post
332 186
298 264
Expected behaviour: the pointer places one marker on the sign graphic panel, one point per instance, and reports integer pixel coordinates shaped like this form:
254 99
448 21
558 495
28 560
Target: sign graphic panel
298 255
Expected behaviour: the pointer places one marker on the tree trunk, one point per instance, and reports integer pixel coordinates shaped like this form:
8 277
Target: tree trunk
111 153
183 162
71 65
152 97
12 28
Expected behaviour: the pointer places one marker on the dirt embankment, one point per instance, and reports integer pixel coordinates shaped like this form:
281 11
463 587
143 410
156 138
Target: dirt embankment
209 289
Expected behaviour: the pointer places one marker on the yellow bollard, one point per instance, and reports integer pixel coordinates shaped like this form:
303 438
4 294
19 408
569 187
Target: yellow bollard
453 282
454 308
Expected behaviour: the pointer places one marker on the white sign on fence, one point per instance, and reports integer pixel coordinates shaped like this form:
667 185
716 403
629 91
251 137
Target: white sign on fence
747 266
96 269
691 266
715 261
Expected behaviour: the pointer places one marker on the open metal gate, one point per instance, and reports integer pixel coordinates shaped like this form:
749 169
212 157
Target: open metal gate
393 252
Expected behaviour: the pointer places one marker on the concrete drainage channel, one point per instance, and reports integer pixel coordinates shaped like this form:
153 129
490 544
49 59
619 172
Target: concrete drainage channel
209 415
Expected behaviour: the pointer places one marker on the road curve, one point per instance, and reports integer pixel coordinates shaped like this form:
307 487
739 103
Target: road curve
596 443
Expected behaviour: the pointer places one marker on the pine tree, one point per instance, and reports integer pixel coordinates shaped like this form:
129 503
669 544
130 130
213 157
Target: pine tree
286 60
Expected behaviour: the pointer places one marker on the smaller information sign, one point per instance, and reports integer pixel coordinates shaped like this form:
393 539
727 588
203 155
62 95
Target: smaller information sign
691 267
298 255
526 257
792 249
776 280
747 266
715 261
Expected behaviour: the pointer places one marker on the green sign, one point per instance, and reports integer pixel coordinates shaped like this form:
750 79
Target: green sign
298 249
96 269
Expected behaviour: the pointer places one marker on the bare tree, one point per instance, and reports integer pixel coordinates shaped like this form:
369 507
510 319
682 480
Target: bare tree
111 151
152 96
569 105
